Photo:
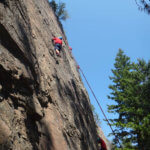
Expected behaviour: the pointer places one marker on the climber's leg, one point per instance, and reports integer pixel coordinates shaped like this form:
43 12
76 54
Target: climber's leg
57 52
57 49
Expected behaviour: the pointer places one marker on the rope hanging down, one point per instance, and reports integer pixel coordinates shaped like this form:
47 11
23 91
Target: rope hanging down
99 105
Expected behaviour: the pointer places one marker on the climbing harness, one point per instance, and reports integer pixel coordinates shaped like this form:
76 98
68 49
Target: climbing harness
99 105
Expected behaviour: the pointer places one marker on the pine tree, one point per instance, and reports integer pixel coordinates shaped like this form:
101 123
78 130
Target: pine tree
131 93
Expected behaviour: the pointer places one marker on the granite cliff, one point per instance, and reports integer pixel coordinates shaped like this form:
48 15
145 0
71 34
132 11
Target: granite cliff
43 103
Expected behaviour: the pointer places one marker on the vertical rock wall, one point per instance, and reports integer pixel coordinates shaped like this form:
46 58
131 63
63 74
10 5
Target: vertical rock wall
43 103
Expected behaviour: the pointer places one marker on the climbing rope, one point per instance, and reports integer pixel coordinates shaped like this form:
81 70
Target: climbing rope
99 105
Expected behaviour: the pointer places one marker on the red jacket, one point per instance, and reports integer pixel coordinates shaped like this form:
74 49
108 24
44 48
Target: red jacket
57 40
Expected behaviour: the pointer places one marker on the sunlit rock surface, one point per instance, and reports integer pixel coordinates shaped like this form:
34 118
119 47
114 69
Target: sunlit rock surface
43 103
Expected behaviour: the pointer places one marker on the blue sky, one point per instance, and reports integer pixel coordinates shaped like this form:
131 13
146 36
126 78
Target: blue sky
96 30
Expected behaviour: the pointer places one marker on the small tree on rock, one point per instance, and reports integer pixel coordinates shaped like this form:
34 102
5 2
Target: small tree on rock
60 10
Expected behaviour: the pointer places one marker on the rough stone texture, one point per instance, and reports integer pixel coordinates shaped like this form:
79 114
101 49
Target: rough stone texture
43 103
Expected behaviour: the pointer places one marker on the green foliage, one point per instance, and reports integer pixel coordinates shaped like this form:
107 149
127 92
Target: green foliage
131 93
59 9
96 117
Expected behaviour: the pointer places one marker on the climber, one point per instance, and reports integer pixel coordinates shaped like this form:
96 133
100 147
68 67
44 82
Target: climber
58 44
103 145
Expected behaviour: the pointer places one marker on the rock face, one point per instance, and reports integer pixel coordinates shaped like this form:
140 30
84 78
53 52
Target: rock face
43 103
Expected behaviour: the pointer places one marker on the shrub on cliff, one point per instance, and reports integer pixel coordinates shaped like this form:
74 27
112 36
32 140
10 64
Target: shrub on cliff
59 9
96 116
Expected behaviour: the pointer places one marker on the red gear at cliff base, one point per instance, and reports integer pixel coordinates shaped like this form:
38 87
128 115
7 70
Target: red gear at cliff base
103 145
